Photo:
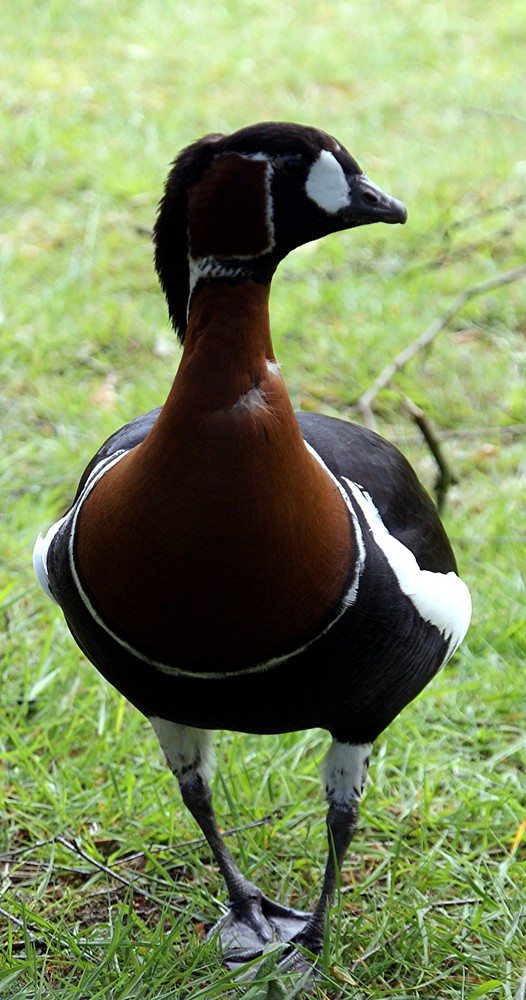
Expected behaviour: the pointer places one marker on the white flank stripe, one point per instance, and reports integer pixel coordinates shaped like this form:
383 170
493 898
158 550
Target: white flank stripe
440 598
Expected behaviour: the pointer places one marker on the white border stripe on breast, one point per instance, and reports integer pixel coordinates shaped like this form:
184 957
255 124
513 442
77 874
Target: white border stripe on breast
348 599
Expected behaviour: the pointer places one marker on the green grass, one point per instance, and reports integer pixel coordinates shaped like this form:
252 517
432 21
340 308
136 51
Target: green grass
96 99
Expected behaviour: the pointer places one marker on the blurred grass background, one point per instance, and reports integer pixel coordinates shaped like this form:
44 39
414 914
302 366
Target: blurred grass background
96 100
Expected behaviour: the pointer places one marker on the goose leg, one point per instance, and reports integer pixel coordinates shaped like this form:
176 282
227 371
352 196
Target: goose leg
342 820
253 921
346 766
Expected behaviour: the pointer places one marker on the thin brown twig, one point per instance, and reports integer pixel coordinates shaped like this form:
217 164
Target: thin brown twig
129 883
505 430
426 338
16 851
43 865
15 920
446 257
197 841
13 855
483 213
445 476
493 113
394 937
36 941
72 845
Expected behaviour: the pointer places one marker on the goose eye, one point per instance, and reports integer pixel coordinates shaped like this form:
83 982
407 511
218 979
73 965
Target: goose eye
293 166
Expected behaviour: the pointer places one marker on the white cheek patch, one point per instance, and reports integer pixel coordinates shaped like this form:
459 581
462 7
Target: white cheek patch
327 185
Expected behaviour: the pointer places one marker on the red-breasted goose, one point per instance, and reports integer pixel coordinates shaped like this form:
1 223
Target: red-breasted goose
229 564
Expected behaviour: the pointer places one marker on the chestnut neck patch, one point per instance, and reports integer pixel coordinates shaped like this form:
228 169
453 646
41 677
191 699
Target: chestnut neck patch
230 209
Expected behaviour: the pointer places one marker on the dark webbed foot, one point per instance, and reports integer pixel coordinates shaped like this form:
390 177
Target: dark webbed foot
254 923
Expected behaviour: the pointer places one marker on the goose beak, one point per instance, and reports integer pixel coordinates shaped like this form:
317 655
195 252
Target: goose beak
368 203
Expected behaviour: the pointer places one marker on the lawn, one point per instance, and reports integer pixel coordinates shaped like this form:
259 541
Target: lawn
106 887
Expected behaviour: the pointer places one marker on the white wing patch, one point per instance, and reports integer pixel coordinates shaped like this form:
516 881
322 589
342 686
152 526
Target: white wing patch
440 598
327 185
